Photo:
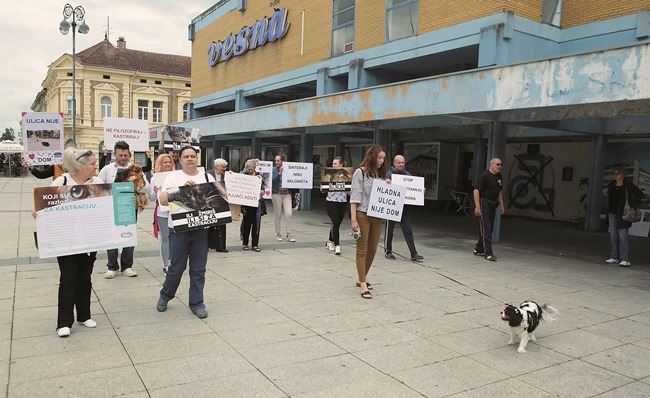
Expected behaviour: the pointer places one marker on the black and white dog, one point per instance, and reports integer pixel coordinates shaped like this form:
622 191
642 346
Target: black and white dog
524 320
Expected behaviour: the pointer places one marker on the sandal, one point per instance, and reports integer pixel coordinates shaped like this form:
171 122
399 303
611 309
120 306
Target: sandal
366 295
368 285
257 249
245 247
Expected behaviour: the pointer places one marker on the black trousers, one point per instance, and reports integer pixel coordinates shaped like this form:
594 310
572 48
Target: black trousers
75 286
336 212
486 226
250 226
217 237
407 231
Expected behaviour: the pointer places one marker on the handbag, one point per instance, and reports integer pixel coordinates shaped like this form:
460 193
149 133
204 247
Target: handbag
630 214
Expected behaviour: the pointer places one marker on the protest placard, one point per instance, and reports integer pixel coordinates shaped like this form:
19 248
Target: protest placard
66 214
243 189
336 179
297 175
414 188
134 131
43 138
265 168
198 206
386 200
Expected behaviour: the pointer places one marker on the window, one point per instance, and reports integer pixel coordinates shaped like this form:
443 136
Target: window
186 113
106 105
401 19
157 112
343 26
143 109
68 100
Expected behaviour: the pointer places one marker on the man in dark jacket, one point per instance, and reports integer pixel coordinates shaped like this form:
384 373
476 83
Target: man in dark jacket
487 197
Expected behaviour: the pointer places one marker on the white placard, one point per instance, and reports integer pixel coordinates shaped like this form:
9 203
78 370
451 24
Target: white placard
386 200
134 131
65 225
297 175
641 228
43 138
243 189
265 168
414 188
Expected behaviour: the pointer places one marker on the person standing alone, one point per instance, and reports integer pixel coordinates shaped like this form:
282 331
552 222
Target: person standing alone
487 198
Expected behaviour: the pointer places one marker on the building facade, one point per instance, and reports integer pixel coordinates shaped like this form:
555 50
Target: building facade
557 88
114 81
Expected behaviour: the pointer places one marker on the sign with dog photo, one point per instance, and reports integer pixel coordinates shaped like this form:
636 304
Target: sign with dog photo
198 206
65 216
43 138
336 178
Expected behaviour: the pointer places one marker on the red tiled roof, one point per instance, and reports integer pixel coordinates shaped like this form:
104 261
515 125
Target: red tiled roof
106 55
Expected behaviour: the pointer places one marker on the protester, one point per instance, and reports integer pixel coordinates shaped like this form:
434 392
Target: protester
618 191
253 215
281 199
487 197
192 245
122 155
372 166
399 167
336 203
217 235
75 284
164 163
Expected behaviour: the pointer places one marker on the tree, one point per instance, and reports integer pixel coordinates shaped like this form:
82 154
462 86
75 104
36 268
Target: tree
9 134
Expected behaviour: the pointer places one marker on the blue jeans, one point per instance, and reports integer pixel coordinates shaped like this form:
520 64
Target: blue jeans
184 245
619 246
126 258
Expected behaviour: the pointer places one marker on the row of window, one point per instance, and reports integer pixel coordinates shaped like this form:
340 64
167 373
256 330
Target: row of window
401 21
106 106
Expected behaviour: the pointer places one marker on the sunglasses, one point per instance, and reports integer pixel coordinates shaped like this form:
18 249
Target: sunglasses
87 153
497 164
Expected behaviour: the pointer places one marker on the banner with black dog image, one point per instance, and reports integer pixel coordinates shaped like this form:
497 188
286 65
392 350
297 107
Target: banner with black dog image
336 179
199 206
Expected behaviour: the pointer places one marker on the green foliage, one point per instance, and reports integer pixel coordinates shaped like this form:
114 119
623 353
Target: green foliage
9 134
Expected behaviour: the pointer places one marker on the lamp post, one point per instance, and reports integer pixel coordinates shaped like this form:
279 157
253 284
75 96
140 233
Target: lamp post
71 17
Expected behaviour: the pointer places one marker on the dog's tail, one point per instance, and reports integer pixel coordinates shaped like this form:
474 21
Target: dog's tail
550 311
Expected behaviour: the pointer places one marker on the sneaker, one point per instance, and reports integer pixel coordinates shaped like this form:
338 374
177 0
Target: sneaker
89 323
624 264
110 274
129 272
478 253
278 238
161 305
491 257
63 332
200 312
390 256
417 257
612 261
337 250
290 238
330 245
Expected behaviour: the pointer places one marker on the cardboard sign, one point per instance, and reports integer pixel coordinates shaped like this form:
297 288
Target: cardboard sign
265 168
67 216
297 175
414 188
386 200
43 138
243 189
336 179
134 131
198 206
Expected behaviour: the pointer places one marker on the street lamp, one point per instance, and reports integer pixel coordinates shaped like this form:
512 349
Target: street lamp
72 17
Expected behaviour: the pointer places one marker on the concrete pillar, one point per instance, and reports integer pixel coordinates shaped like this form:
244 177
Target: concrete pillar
306 155
381 137
496 149
596 178
355 74
256 147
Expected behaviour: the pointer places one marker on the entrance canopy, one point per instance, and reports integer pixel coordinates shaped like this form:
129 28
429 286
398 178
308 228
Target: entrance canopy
9 146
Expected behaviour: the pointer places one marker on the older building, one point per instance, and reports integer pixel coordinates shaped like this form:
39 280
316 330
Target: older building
114 81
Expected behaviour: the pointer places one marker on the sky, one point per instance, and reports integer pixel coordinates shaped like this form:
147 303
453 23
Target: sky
30 39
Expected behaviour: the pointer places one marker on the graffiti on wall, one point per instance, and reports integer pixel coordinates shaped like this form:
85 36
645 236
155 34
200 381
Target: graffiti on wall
531 182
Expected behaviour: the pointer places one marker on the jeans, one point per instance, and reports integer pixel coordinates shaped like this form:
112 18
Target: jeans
184 245
163 233
619 246
75 287
336 211
126 259
282 202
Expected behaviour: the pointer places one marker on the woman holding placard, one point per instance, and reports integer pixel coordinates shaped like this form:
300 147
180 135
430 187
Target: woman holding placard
372 166
164 163
75 284
252 215
336 203
281 199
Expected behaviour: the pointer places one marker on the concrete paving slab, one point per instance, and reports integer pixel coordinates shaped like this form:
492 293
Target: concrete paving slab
367 337
575 378
364 388
627 360
632 390
507 360
161 331
176 347
290 352
80 339
504 389
411 354
577 343
266 334
245 385
621 329
465 341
